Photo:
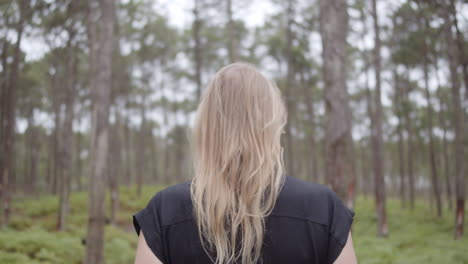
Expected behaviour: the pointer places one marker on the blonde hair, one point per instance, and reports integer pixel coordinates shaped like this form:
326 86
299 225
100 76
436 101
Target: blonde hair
238 162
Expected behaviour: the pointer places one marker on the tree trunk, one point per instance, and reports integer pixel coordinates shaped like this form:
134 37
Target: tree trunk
65 143
461 46
115 159
432 155
101 40
443 124
128 157
459 154
196 27
3 104
334 29
401 147
141 150
377 138
79 162
308 98
289 84
410 142
9 121
231 33
56 133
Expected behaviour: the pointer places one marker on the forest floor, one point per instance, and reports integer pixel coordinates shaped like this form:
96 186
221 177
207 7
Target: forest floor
416 236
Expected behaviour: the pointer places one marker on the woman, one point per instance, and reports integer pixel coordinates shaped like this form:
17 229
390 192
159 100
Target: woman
240 207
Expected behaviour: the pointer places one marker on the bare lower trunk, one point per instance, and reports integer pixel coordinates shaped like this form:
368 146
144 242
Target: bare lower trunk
127 179
100 35
196 28
289 84
461 42
432 157
231 33
458 120
32 146
377 138
115 161
79 163
9 121
141 151
334 29
401 147
65 143
351 195
311 135
410 145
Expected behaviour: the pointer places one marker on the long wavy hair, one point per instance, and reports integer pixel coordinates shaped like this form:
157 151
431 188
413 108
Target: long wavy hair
238 162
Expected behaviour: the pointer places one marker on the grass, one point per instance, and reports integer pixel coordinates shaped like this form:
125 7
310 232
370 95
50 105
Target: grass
416 236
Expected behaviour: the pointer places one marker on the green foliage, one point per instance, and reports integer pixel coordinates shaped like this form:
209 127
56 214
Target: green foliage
33 237
416 236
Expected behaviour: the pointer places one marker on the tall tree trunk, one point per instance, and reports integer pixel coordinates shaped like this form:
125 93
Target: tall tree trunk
231 33
461 46
459 154
432 155
289 84
78 161
128 147
443 124
377 137
115 161
334 29
196 28
401 147
65 143
410 140
308 98
141 150
101 40
9 121
55 134
3 104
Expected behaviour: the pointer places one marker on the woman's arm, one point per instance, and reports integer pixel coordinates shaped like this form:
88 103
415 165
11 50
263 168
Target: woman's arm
347 255
144 255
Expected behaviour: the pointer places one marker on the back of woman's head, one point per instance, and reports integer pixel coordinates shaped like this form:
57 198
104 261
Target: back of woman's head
238 162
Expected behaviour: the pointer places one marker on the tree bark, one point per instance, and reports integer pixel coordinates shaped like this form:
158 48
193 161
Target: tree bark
308 98
443 124
409 147
334 29
432 155
196 27
461 46
289 84
231 33
377 137
141 150
101 40
458 119
9 121
65 143
115 158
401 146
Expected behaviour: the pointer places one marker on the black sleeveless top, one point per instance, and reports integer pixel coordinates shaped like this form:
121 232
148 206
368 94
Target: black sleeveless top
309 224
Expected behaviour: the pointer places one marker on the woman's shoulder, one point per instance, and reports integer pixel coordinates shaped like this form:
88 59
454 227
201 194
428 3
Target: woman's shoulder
306 200
297 189
173 203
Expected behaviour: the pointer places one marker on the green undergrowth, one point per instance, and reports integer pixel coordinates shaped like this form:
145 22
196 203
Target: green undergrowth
32 236
416 236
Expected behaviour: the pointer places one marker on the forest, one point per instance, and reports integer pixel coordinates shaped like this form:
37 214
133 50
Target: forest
97 98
